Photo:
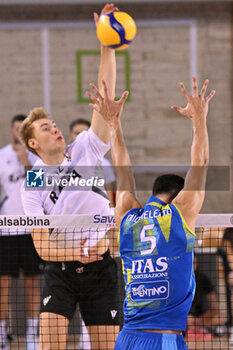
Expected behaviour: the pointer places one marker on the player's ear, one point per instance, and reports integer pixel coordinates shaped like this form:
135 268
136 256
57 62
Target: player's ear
33 143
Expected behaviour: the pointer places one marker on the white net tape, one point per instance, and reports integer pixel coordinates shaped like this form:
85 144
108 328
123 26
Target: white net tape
100 221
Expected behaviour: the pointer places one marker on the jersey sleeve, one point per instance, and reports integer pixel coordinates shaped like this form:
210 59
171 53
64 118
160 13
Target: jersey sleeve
31 201
109 175
88 140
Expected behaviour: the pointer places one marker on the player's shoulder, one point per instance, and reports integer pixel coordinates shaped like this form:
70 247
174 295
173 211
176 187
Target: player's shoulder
82 136
79 140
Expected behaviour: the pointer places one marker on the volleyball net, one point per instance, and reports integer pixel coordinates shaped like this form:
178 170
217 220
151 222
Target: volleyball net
210 318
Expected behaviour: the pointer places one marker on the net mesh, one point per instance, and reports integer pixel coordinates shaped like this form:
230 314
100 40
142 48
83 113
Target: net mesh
210 318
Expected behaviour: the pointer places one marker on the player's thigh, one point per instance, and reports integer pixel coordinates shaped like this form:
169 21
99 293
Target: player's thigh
30 262
53 331
103 337
99 304
5 283
58 296
32 283
32 294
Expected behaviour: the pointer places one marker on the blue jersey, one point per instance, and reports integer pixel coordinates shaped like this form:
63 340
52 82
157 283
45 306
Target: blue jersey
156 248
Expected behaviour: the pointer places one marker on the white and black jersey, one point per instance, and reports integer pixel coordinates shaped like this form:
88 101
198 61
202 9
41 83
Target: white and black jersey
82 156
12 175
108 170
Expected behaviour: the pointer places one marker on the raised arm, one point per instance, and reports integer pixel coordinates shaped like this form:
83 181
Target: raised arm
107 71
111 111
191 198
125 195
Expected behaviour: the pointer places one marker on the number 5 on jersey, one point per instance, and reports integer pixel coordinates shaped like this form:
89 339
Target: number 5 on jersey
150 239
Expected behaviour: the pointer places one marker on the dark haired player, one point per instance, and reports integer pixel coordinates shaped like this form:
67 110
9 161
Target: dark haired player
156 242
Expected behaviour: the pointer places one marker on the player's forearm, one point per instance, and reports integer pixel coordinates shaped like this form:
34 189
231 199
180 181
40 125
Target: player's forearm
107 70
200 145
53 253
121 161
50 251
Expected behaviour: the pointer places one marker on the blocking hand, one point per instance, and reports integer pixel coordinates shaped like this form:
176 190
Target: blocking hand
197 106
110 110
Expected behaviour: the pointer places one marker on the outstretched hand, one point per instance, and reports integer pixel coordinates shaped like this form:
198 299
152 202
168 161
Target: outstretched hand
197 106
110 109
107 9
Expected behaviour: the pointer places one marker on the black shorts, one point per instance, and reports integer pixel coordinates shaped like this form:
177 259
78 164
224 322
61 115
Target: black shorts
18 252
93 286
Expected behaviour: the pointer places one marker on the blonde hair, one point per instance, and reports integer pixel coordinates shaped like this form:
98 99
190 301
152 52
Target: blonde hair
26 131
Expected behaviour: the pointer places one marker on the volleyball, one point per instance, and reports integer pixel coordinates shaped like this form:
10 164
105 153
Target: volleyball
116 30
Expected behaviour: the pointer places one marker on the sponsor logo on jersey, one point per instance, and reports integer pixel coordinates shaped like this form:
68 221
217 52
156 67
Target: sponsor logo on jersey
113 313
35 178
80 269
46 300
149 291
150 268
149 265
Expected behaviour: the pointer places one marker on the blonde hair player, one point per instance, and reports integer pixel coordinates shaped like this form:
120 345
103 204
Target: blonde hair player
71 269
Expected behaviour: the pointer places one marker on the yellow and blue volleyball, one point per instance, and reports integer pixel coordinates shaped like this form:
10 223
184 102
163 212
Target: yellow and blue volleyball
116 30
